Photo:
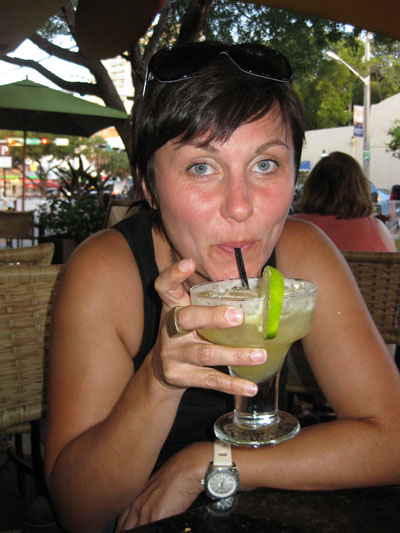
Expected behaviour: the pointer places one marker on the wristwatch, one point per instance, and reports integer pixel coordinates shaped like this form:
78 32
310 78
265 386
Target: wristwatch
222 477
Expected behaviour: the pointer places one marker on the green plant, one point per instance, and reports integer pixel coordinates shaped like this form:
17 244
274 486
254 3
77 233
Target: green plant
79 209
394 144
74 219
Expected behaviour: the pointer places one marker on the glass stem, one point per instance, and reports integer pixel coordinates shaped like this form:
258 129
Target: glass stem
261 408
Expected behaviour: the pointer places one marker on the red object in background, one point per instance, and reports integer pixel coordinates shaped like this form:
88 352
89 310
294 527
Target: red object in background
14 141
44 140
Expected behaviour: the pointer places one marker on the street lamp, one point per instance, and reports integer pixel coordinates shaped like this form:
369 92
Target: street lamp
367 101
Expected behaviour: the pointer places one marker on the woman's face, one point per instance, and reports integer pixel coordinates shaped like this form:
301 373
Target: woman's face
226 195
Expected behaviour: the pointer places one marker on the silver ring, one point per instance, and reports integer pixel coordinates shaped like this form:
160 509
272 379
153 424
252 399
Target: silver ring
172 325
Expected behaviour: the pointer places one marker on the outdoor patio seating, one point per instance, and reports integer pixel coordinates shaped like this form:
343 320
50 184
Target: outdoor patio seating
17 225
41 254
26 300
378 277
120 209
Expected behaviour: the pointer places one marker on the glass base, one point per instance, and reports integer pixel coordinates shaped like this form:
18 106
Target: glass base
229 429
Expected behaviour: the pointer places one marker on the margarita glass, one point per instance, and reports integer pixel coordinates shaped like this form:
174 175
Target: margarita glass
256 421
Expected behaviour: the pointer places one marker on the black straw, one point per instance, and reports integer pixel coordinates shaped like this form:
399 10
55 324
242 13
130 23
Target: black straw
242 270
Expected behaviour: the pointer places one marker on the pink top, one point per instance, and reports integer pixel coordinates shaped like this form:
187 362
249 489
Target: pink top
355 234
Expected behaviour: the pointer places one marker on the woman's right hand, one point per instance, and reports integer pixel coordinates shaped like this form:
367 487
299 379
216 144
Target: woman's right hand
188 360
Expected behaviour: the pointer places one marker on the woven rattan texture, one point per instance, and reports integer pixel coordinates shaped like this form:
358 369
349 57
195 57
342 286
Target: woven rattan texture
42 254
17 224
26 299
378 276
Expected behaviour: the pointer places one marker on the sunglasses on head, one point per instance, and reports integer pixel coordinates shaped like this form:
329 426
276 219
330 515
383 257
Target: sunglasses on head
182 62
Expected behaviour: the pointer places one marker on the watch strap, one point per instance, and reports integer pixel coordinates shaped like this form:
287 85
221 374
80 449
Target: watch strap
222 453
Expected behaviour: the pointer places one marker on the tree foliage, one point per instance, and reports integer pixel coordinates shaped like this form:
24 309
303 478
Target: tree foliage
328 90
79 209
394 143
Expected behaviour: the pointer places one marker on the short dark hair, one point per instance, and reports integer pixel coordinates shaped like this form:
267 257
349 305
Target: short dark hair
337 186
210 105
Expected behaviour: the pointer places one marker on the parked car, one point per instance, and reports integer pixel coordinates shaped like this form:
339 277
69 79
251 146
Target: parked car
395 193
380 199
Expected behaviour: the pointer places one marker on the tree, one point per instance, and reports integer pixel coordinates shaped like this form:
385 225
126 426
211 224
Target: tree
394 143
300 37
385 66
337 89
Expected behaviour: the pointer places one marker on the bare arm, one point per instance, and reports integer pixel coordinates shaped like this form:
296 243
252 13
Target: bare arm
106 423
100 448
356 374
354 371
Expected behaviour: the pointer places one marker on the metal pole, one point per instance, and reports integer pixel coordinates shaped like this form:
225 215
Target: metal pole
23 172
367 110
366 101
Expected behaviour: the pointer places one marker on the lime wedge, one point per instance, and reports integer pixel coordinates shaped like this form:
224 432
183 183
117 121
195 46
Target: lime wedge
271 290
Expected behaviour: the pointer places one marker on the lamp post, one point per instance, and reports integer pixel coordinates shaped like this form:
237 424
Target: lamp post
367 102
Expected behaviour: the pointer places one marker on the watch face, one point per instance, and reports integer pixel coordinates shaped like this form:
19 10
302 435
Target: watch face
222 484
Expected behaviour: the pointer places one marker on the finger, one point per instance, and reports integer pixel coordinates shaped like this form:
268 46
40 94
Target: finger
211 355
210 378
200 356
200 317
148 504
128 519
169 284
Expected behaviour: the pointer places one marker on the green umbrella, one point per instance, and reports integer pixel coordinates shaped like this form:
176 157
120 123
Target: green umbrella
29 106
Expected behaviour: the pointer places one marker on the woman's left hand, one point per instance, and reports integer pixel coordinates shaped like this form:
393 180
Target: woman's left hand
171 490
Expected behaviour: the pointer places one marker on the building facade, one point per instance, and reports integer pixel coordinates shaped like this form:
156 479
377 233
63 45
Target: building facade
384 168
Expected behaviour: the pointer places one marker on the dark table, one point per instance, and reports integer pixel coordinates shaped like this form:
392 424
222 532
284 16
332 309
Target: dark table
272 511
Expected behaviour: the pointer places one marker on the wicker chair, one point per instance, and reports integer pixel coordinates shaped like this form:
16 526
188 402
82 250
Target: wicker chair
17 225
26 299
119 209
41 254
378 277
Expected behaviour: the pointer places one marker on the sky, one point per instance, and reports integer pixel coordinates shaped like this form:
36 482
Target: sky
27 50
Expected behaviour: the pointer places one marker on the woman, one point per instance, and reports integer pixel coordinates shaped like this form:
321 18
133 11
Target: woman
336 197
218 137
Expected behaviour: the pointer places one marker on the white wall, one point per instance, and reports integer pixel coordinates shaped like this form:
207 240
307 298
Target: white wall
384 168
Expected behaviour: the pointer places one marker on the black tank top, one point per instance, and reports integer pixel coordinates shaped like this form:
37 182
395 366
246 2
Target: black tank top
199 408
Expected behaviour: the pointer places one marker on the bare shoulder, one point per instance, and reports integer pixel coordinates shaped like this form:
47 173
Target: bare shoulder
97 328
101 253
304 250
101 284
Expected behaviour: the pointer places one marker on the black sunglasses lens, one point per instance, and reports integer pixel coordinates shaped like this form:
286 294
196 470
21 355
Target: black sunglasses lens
184 61
181 62
261 61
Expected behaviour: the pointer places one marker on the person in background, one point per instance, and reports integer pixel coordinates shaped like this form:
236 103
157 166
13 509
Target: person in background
336 198
134 391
